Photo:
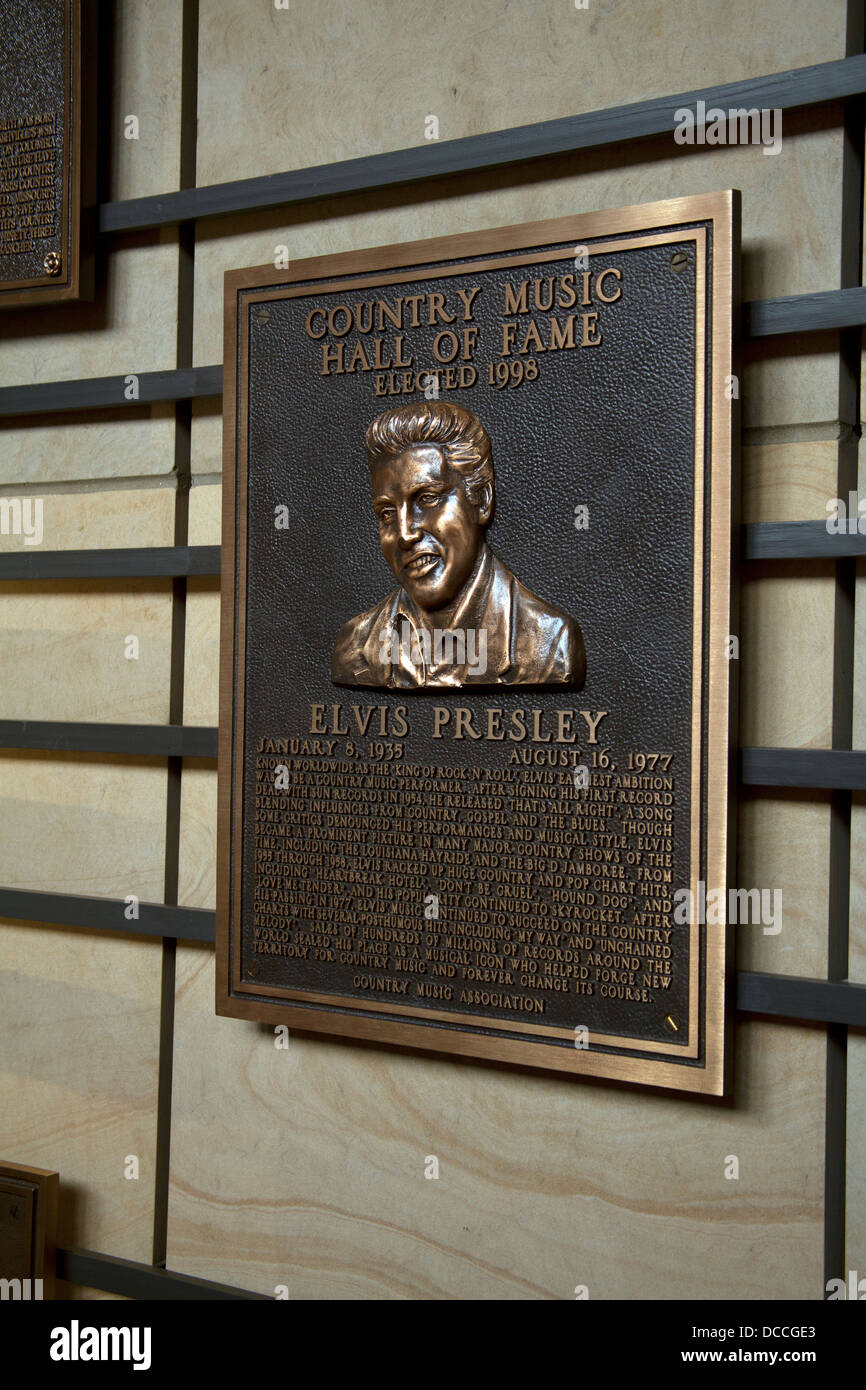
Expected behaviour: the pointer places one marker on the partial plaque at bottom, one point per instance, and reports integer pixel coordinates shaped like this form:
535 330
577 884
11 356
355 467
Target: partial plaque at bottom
475 681
28 1231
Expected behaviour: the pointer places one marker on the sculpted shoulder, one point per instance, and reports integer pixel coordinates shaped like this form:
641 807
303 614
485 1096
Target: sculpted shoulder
549 645
349 664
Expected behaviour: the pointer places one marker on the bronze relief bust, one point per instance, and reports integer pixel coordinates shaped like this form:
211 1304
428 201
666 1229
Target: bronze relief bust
459 616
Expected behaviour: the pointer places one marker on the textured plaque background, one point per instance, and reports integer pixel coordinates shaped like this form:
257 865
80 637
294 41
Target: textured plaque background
612 427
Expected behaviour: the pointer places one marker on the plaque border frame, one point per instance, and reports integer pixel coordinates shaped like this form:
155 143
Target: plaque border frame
271 1004
78 209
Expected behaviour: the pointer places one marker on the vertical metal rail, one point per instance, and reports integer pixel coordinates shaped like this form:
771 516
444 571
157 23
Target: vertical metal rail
182 439
839 895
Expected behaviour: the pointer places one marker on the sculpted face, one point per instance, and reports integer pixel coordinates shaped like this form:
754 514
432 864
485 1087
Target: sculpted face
430 533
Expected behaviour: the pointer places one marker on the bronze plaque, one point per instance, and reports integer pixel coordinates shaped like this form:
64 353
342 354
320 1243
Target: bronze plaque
475 686
46 182
28 1231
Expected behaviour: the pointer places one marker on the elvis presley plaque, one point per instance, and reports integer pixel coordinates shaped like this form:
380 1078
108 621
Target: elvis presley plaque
476 695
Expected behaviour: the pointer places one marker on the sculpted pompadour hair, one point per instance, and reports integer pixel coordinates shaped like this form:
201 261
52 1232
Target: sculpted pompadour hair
456 431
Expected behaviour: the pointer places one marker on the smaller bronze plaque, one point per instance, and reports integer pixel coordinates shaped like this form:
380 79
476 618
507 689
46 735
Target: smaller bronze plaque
46 172
28 1231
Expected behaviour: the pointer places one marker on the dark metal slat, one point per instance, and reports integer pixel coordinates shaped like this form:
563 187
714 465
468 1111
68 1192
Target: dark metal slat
90 393
767 540
773 767
833 768
107 914
796 540
150 562
806 86
140 1281
139 740
803 313
788 996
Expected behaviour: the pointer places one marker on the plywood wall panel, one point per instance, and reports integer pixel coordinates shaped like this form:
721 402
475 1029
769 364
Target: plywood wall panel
313 79
79 1024
306 1167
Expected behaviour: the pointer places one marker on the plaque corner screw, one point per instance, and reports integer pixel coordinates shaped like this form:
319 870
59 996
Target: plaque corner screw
262 315
52 263
679 261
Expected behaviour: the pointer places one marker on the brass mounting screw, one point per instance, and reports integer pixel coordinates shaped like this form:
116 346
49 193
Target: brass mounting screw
679 260
52 263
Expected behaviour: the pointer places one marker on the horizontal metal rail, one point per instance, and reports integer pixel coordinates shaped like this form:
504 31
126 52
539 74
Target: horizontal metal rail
131 1279
795 540
784 91
134 562
804 313
839 769
831 768
764 540
105 392
795 997
801 313
785 996
136 740
107 914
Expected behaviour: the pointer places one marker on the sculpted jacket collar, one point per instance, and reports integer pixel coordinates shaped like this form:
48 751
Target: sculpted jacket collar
526 641
424 660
